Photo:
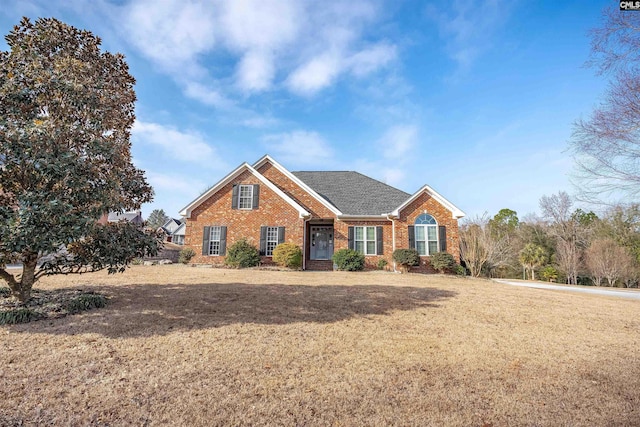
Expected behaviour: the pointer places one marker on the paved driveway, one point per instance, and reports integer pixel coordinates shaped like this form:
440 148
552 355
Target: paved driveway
628 294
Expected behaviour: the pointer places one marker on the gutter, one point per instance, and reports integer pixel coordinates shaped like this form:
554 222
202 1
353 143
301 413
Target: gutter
393 238
306 218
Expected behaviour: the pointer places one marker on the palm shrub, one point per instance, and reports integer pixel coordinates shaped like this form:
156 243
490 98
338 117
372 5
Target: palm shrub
242 254
288 255
442 261
549 273
406 258
348 260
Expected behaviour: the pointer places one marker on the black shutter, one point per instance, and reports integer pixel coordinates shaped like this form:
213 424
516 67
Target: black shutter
206 234
256 196
379 241
442 234
263 240
350 242
412 237
223 240
234 197
280 235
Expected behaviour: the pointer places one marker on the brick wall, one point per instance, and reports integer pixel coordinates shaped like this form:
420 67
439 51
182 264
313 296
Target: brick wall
341 231
216 210
427 204
274 211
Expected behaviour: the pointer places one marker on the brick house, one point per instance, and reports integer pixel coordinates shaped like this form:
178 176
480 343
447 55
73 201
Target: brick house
320 212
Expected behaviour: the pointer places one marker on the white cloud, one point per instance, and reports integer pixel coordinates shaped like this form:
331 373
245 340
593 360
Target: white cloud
468 27
371 59
259 24
255 71
315 75
172 32
398 141
207 95
260 45
188 147
298 147
174 183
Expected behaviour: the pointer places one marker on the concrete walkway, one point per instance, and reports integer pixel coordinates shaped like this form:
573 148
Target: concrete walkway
620 293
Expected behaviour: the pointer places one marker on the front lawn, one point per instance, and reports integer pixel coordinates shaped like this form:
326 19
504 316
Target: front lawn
178 345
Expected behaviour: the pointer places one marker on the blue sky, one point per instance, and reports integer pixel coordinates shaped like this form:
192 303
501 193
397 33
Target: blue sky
474 98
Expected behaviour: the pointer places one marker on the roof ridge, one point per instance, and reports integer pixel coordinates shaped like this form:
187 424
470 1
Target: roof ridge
383 183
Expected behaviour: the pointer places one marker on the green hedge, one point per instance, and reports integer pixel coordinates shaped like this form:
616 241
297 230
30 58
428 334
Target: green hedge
242 254
348 260
287 255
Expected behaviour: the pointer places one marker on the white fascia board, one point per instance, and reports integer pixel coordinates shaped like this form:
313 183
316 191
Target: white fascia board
186 211
297 180
455 212
381 217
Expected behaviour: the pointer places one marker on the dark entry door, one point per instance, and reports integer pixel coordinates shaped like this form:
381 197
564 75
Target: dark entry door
321 242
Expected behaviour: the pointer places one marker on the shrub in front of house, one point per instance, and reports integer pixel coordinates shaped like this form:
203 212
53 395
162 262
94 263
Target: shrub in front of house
382 263
242 254
406 258
348 260
185 255
442 262
287 255
460 270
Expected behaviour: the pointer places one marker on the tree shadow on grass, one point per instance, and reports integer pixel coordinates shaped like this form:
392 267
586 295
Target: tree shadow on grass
148 310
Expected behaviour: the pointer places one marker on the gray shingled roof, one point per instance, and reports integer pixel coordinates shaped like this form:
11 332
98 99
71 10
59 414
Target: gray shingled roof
353 193
134 217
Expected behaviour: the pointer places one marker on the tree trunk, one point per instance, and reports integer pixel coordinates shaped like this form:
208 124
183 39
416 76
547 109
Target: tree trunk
22 290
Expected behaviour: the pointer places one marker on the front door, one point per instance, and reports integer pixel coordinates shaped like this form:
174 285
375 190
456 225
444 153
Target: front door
321 242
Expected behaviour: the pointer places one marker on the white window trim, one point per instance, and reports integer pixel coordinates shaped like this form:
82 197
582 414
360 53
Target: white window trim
365 241
250 197
426 237
212 240
270 232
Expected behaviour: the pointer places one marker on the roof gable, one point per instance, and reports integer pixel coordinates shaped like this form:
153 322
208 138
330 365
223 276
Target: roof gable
186 211
266 158
455 212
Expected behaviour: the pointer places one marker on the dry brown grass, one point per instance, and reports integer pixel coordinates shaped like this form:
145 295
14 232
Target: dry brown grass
191 346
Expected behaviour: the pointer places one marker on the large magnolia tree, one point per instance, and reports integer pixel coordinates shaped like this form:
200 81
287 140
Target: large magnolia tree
66 110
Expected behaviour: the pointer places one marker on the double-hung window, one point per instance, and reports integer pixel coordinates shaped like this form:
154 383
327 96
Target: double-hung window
272 240
365 240
270 237
245 197
214 240
426 235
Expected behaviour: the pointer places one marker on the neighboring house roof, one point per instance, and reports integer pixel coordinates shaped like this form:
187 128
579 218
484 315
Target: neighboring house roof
180 231
353 193
186 211
134 217
171 225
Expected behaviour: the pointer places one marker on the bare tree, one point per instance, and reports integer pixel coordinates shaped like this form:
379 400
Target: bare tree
571 233
479 249
606 146
607 259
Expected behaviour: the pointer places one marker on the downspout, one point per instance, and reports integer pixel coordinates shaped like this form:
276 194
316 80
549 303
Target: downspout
393 240
304 241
